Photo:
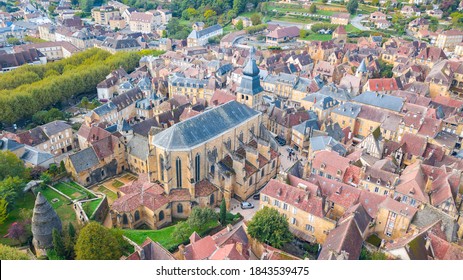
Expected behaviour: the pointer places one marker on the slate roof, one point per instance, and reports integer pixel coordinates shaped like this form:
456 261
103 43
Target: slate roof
9 145
201 33
327 142
348 109
35 157
84 160
384 101
138 147
201 128
55 127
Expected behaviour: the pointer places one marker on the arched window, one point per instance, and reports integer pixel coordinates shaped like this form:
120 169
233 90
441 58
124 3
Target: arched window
161 166
124 219
212 199
179 208
197 168
137 215
178 165
161 215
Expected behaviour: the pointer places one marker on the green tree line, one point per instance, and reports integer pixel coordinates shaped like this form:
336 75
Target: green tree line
29 89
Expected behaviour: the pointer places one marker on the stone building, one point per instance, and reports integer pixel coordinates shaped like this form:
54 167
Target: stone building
223 152
44 220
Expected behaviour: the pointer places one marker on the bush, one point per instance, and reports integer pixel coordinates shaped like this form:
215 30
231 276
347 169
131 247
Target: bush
256 28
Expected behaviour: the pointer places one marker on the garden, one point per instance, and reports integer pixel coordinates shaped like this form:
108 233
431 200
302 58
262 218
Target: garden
63 206
202 221
74 191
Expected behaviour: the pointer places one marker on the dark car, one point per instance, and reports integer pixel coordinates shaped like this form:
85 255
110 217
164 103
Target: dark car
280 141
256 196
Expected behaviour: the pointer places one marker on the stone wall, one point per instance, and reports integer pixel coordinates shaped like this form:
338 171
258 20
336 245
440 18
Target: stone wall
100 213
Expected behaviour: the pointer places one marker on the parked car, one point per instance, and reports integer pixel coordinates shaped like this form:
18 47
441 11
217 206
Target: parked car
256 196
280 141
247 205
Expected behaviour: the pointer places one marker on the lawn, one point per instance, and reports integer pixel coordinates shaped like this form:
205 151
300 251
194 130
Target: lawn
26 201
70 191
79 187
318 37
90 206
117 184
163 236
350 28
110 194
63 206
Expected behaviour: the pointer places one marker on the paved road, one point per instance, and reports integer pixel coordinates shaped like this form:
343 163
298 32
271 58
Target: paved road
356 22
247 213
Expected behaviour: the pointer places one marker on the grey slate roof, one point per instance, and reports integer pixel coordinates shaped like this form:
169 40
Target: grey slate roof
55 127
327 142
250 81
312 124
9 145
179 80
205 126
201 33
84 159
138 147
348 109
35 157
430 215
384 101
105 109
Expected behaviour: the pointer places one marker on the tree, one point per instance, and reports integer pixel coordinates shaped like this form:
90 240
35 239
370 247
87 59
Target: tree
239 6
3 210
46 178
255 19
96 242
10 253
303 33
189 13
182 231
85 102
270 227
375 2
209 13
71 231
199 217
18 232
13 41
223 212
239 25
58 243
62 167
313 9
10 188
352 6
11 166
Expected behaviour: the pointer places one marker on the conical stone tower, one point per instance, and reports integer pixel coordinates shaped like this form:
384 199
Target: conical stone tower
44 220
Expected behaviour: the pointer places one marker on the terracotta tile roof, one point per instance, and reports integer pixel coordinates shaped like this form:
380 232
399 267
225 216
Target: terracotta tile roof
430 127
221 97
398 208
332 163
140 193
204 188
92 134
295 196
443 250
412 183
201 249
179 195
281 32
337 192
104 148
370 201
413 144
383 84
227 252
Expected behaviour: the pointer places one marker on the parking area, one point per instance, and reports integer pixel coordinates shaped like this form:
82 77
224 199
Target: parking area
246 213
